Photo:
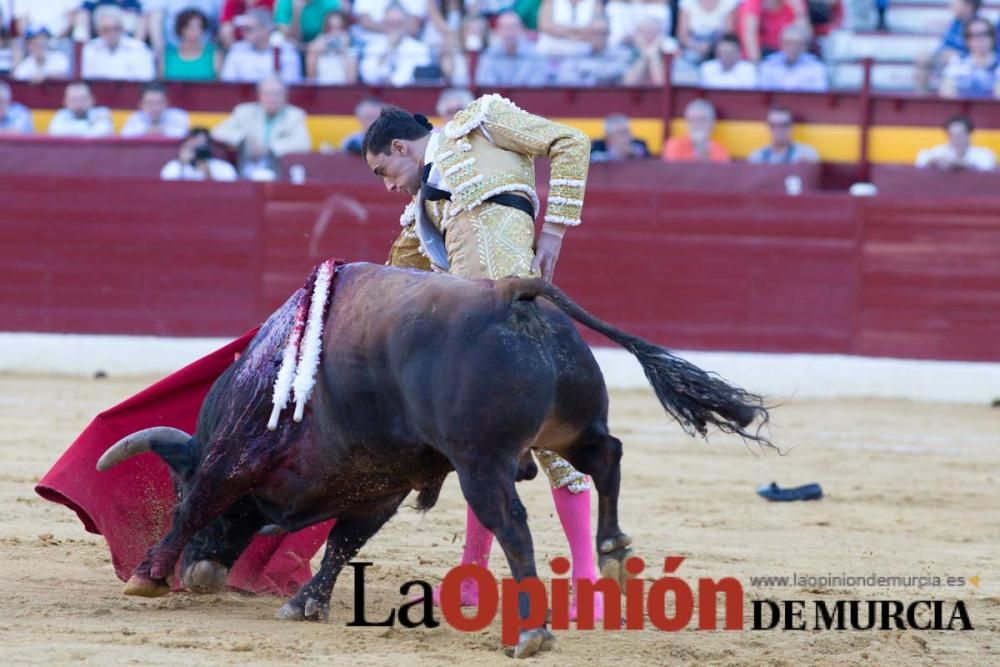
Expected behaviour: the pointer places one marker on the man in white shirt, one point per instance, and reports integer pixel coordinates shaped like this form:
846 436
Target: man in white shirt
370 20
793 68
252 58
41 63
392 58
114 55
958 153
155 118
728 70
79 117
265 130
195 162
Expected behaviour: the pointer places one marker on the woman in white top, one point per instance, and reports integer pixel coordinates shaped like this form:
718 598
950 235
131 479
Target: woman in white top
701 23
565 27
625 16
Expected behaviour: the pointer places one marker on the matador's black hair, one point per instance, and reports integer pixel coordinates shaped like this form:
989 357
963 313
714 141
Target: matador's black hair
394 123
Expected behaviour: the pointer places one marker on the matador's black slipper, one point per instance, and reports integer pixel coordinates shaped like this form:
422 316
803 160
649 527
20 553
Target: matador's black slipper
775 493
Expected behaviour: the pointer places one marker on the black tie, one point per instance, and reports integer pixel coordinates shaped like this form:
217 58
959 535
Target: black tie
430 192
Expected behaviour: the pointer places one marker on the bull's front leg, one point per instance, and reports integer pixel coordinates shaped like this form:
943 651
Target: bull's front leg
211 553
599 455
348 535
212 492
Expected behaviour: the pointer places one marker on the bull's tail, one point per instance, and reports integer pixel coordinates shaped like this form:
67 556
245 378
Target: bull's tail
695 398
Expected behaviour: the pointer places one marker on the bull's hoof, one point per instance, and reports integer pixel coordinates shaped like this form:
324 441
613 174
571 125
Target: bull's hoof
205 576
611 559
146 587
309 609
531 642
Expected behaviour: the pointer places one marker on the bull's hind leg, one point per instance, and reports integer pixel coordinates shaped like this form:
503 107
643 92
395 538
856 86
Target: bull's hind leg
598 454
210 554
348 535
488 486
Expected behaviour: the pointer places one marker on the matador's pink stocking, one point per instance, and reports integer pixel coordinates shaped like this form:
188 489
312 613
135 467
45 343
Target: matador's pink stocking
478 542
574 514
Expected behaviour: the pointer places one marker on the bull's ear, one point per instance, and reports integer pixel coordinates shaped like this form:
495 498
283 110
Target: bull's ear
179 456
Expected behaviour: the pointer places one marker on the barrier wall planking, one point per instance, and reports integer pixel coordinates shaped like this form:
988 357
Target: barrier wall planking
915 277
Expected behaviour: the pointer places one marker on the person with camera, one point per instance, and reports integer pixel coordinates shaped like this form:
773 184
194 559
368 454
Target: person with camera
331 59
195 161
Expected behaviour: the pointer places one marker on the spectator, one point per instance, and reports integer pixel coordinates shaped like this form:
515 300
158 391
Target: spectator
132 22
510 59
953 41
233 15
14 118
195 57
252 58
618 143
393 56
566 27
975 74
265 130
825 16
701 23
195 161
792 68
782 150
697 146
155 118
958 153
728 69
303 20
452 64
366 112
451 101
370 17
625 16
448 17
79 117
163 16
112 55
41 62
330 59
605 65
761 23
54 16
647 67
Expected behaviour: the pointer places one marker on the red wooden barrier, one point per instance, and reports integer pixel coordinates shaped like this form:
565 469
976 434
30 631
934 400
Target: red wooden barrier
727 271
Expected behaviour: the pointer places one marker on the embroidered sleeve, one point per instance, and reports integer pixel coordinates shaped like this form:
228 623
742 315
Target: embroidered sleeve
516 130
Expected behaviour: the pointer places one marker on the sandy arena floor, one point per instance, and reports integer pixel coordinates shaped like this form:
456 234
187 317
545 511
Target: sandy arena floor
912 489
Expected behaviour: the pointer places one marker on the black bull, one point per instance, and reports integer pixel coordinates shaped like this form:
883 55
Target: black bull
421 374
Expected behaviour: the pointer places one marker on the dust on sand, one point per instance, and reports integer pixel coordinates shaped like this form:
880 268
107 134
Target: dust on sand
911 489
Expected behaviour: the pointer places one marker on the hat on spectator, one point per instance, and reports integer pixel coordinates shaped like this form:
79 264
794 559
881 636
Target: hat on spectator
35 31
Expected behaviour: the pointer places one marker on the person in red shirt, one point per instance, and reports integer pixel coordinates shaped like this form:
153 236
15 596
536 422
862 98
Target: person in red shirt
697 145
229 20
761 23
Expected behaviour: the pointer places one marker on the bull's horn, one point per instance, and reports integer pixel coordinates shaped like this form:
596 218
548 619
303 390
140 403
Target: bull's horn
140 442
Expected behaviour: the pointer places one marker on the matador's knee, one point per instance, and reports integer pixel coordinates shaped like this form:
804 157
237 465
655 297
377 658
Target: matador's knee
560 472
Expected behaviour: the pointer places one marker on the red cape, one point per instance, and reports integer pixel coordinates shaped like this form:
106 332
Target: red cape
131 504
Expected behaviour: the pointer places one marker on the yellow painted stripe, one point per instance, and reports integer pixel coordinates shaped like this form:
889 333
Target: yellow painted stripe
835 143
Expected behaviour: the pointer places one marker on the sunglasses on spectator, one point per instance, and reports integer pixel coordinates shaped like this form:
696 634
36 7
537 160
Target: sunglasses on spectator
110 28
780 123
979 33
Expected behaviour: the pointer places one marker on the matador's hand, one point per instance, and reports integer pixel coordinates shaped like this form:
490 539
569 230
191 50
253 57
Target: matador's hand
547 248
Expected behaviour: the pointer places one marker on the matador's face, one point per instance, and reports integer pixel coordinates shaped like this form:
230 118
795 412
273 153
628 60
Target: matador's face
399 169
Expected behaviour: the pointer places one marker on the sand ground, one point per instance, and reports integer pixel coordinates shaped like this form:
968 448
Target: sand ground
911 489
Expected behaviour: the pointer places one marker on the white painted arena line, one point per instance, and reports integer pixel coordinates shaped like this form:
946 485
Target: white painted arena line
780 376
